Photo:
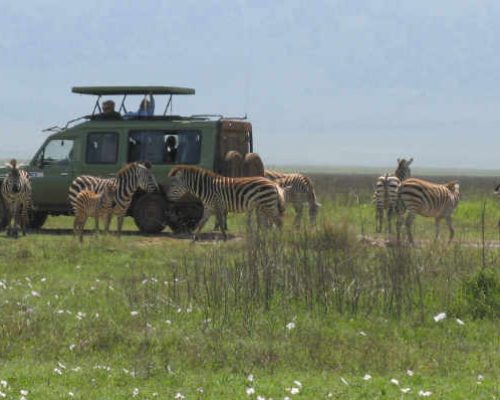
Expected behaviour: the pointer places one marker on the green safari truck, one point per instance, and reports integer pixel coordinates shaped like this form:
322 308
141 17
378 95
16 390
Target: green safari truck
100 146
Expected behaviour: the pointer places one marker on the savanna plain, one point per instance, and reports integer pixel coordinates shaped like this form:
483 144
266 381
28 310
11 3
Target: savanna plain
336 311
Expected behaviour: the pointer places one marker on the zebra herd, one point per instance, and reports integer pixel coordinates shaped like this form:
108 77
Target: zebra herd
90 196
401 194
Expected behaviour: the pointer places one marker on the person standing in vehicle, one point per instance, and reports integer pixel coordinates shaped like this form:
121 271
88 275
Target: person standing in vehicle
170 153
146 108
108 111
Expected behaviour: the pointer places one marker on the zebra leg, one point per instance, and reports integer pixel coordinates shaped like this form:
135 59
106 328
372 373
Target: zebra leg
409 222
83 221
221 217
379 219
298 207
450 227
437 222
206 215
96 216
107 221
119 224
15 218
389 219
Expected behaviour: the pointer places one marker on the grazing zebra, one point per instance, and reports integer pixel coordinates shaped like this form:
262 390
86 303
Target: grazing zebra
128 180
428 200
386 193
91 204
220 194
299 189
16 191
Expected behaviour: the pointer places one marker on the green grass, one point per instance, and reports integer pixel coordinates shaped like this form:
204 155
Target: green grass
164 315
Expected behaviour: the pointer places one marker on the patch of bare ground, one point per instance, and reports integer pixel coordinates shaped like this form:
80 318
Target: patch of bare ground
391 242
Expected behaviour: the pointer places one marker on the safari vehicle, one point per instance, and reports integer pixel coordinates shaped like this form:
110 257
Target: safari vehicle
95 146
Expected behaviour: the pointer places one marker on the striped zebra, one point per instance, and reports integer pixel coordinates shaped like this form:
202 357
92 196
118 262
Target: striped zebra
16 192
420 197
131 178
299 189
220 195
91 204
386 193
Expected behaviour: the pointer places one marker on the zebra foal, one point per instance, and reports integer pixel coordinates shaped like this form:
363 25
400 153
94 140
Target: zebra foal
91 204
420 197
129 179
220 195
16 191
299 189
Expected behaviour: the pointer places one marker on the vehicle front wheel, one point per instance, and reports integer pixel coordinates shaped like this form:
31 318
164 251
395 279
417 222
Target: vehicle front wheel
149 213
37 219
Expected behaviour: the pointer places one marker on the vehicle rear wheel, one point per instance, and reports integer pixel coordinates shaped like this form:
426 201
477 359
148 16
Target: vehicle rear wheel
4 218
183 217
37 219
149 213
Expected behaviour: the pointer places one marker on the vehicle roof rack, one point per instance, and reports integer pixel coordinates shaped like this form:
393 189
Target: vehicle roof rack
131 90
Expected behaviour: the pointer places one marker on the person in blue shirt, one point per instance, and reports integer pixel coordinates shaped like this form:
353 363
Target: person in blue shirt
146 108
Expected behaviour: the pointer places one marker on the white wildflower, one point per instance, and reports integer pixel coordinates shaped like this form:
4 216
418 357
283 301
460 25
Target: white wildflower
294 390
58 371
261 398
405 390
61 365
409 372
250 378
71 394
367 377
344 381
135 392
200 390
134 313
480 377
34 293
24 392
290 326
440 316
424 393
297 383
3 395
80 315
179 396
4 384
460 322
72 346
394 381
249 391
168 322
362 333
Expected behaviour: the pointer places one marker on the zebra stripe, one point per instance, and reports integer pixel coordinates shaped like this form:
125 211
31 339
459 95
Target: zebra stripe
91 204
299 189
131 178
420 197
16 191
220 194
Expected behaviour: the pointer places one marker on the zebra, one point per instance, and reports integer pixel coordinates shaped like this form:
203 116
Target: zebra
128 180
386 193
16 191
91 204
299 189
427 199
220 195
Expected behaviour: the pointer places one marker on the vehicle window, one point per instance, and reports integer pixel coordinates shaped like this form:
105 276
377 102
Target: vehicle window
102 148
165 147
57 151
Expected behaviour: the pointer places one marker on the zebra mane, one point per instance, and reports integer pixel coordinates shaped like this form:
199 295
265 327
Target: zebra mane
189 168
11 164
132 165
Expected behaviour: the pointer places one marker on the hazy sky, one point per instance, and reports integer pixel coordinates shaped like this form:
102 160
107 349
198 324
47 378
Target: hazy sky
352 82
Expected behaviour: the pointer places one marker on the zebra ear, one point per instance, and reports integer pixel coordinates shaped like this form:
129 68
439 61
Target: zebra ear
409 161
453 186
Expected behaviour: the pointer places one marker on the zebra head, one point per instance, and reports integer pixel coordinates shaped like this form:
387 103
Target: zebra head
145 179
177 186
13 178
497 190
403 170
453 187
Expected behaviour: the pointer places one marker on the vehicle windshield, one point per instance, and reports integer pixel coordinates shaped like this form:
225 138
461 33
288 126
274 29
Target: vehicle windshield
56 151
165 147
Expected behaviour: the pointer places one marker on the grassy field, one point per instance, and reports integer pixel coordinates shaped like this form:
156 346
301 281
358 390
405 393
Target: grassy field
331 312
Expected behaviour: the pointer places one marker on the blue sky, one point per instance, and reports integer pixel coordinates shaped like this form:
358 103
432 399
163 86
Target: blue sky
353 82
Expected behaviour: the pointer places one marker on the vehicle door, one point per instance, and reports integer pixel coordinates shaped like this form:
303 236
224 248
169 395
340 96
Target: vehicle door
101 154
51 174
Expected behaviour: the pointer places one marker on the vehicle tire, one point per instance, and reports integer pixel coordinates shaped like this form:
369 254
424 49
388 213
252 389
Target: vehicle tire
183 217
253 165
4 216
149 212
233 164
37 219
